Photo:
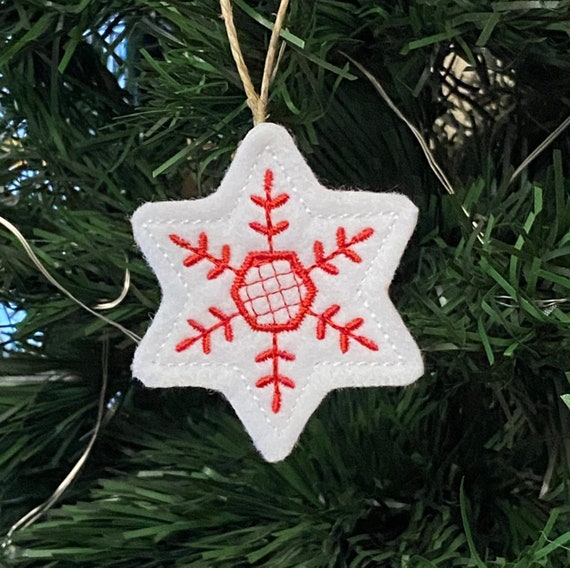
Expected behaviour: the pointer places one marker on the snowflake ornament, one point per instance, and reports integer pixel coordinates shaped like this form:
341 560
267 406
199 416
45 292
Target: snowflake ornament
275 290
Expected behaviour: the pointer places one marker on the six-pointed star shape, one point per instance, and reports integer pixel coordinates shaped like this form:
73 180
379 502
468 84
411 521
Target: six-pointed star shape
275 290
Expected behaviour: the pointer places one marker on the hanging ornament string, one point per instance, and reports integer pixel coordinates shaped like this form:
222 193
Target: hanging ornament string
256 102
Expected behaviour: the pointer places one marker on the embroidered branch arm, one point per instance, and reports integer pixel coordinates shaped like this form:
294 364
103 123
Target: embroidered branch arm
346 331
269 203
205 333
201 252
276 379
323 261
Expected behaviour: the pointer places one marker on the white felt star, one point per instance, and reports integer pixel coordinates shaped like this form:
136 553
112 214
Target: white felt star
275 290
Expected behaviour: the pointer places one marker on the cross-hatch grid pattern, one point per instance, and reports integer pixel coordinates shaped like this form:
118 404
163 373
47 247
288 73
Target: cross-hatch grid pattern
272 292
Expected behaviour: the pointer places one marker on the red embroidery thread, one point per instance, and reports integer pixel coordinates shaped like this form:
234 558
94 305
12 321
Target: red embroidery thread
201 253
206 332
269 203
343 247
345 331
275 378
273 291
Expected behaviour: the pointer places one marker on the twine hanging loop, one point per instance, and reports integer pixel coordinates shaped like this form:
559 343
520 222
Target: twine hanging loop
256 102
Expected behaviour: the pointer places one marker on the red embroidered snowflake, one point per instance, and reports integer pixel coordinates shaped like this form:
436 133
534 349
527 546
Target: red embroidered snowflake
266 326
273 291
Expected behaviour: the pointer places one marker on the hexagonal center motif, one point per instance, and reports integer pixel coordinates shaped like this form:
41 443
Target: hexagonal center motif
273 291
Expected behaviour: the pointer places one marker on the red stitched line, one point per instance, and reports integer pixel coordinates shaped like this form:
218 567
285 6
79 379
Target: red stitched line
206 332
286 305
345 331
201 253
281 291
267 187
343 247
275 379
267 294
269 203
306 291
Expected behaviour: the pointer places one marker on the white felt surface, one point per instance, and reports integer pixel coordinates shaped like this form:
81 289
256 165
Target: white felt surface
360 289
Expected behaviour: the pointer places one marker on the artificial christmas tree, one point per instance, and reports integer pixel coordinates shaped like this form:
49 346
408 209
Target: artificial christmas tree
105 106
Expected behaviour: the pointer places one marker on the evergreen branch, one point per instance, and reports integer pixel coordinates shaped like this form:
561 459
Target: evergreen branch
79 157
